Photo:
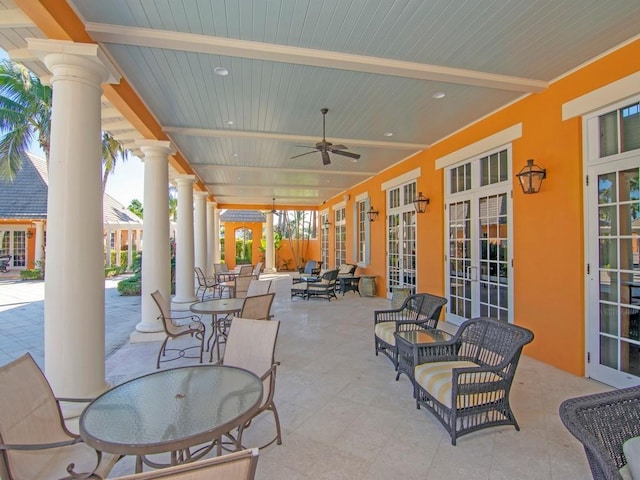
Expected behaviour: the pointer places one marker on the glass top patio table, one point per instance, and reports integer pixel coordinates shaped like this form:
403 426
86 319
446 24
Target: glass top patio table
171 411
215 307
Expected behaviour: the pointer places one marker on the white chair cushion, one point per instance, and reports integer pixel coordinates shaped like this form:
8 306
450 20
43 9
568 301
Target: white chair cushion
437 378
631 450
344 269
384 331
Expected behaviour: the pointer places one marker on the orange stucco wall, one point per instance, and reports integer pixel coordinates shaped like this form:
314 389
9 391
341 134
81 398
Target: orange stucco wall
548 228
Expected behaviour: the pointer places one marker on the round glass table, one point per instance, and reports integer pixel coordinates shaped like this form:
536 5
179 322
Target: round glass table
215 307
171 411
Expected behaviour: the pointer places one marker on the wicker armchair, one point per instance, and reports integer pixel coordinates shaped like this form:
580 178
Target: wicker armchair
325 287
603 422
421 310
466 381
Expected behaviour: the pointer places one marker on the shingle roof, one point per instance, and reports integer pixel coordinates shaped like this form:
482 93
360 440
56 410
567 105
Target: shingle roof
242 216
26 196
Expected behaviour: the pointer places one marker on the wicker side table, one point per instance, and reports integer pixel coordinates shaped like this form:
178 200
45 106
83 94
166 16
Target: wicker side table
368 285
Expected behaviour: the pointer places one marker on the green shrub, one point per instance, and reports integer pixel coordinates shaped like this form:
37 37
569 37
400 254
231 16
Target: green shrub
113 271
130 286
31 274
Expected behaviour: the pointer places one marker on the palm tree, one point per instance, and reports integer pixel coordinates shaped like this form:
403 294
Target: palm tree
25 112
112 149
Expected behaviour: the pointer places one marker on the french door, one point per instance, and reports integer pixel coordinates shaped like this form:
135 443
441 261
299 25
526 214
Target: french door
401 238
613 204
612 243
478 270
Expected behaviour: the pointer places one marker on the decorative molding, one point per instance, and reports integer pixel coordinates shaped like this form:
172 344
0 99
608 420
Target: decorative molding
488 143
402 179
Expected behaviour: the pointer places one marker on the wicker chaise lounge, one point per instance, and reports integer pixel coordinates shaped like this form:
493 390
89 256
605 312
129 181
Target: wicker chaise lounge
603 422
466 381
421 310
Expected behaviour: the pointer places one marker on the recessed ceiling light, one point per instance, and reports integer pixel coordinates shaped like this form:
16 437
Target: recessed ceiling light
235 154
439 95
229 122
354 160
388 134
223 72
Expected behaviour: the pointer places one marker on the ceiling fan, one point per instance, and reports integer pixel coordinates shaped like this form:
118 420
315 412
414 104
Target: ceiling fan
273 207
325 147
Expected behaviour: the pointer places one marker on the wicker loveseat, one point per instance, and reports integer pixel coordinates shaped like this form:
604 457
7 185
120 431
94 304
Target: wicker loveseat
603 422
421 310
466 381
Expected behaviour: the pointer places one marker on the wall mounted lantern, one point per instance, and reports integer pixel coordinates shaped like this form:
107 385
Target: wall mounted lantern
29 234
372 214
531 177
326 224
421 203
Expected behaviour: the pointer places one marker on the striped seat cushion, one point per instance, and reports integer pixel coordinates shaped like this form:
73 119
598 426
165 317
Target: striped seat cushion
384 331
436 379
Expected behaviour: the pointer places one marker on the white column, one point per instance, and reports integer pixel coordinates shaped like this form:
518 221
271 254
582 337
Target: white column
156 266
269 258
39 244
200 230
107 247
139 239
212 237
129 249
184 244
74 286
118 233
216 243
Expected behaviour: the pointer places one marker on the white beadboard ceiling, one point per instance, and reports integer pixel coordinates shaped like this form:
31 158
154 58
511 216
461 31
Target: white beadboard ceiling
375 64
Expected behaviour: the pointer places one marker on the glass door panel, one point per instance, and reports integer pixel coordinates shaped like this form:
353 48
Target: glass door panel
614 204
460 269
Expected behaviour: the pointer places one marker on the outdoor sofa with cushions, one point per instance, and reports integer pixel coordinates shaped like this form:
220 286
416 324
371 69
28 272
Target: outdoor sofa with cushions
324 287
466 381
608 425
346 270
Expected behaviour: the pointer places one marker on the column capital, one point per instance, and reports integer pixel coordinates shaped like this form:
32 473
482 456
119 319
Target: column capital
212 205
65 58
200 195
154 148
185 179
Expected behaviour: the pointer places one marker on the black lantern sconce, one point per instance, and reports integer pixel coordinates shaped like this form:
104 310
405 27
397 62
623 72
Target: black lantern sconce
29 234
372 214
421 202
326 224
531 177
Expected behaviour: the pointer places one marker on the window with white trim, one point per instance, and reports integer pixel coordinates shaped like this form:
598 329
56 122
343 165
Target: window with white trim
341 237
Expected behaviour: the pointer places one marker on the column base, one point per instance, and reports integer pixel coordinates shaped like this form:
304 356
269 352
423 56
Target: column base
149 327
182 304
142 337
269 270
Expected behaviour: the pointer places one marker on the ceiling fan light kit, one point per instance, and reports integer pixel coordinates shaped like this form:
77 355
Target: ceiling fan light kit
325 147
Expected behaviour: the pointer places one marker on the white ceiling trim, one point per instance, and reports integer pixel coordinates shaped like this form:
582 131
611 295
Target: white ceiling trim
359 173
306 56
203 132
488 143
611 93
15 18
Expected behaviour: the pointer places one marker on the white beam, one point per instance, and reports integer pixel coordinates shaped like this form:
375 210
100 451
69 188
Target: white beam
15 18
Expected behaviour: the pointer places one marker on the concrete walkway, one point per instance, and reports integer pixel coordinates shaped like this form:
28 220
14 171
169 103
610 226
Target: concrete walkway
22 318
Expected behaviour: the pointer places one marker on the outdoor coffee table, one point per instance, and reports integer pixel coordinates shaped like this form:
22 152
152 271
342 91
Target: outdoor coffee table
171 411
349 283
215 307
409 343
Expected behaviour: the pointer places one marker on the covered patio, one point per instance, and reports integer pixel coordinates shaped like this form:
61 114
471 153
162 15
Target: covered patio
343 414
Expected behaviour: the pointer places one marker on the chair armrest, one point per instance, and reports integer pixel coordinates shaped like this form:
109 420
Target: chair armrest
394 315
39 446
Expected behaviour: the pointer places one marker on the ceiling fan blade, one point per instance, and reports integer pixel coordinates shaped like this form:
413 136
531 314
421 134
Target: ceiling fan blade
303 154
325 158
339 147
346 154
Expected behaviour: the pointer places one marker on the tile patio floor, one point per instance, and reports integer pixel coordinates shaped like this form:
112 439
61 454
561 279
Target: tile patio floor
343 415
